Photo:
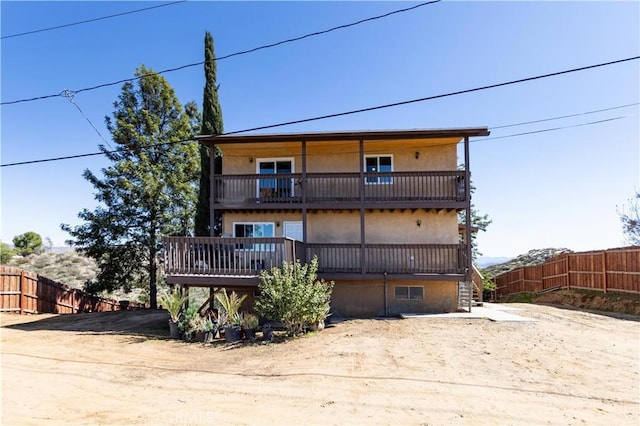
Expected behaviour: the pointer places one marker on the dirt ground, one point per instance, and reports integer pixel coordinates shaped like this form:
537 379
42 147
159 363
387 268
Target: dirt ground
567 368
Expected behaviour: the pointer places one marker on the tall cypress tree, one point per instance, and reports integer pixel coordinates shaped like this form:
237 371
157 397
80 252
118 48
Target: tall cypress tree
211 125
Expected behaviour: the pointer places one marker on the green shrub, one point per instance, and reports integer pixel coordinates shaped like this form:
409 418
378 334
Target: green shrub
293 295
6 253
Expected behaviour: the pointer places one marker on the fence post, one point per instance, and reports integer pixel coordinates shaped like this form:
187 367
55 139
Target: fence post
604 271
566 266
23 299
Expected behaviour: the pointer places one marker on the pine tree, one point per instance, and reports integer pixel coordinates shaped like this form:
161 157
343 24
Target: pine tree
479 221
631 220
211 125
147 191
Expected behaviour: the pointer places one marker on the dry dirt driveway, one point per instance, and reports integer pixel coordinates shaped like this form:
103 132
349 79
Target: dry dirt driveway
569 367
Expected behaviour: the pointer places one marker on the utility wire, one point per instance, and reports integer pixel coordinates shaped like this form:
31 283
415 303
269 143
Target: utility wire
69 95
491 128
555 128
522 80
243 52
563 116
41 30
92 154
429 98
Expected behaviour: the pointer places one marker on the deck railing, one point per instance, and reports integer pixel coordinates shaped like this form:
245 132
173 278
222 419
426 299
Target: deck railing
389 258
442 186
225 256
248 256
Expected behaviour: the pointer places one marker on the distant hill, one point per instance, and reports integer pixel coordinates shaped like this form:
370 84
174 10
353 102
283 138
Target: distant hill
484 261
532 257
65 266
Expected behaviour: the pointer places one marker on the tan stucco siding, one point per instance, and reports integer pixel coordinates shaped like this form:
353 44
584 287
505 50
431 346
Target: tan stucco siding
366 298
433 154
384 227
439 297
344 226
360 299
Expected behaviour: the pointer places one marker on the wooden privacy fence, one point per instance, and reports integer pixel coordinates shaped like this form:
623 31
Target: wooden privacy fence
27 292
604 270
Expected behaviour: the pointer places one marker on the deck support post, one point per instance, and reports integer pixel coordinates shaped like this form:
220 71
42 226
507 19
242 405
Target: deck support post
467 228
363 251
303 255
212 191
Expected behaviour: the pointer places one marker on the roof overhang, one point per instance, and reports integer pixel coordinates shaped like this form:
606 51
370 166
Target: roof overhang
368 135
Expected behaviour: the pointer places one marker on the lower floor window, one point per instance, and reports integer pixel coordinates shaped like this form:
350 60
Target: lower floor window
254 230
409 292
243 230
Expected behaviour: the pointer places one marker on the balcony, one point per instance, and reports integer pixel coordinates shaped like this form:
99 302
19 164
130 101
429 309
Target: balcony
444 189
216 261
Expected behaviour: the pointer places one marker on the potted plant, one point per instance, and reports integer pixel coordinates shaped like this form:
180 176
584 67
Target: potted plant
316 322
249 323
173 303
189 323
229 310
208 329
267 332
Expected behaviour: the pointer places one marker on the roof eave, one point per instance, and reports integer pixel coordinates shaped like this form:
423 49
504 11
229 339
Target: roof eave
347 135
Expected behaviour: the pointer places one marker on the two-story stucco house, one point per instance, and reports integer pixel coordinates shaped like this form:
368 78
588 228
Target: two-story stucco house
378 208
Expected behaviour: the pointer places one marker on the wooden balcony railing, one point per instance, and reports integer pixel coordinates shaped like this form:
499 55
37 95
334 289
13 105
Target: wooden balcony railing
389 258
208 256
443 186
226 256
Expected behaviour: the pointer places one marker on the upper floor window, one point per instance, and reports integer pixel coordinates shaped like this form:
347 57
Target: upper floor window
377 164
275 187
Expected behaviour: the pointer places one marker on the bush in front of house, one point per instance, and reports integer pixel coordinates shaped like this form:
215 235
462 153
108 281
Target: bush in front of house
293 295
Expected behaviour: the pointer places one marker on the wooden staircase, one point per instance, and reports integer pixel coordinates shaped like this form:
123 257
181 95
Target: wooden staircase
470 293
476 280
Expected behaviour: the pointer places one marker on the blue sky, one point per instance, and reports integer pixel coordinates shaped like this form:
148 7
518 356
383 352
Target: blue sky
555 189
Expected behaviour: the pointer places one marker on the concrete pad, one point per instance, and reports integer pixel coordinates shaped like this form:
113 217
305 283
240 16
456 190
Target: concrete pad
478 312
501 306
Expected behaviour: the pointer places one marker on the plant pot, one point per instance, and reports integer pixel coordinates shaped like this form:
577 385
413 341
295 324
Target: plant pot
199 336
174 330
232 333
316 326
267 333
209 336
250 334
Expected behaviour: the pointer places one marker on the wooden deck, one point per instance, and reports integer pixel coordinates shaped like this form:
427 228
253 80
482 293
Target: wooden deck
210 260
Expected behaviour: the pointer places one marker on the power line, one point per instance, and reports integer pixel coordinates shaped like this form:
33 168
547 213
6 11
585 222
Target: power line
57 27
562 116
429 98
69 95
522 80
92 154
554 128
231 55
482 139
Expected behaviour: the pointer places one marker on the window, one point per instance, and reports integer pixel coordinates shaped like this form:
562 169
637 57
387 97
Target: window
254 230
377 164
409 292
277 187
